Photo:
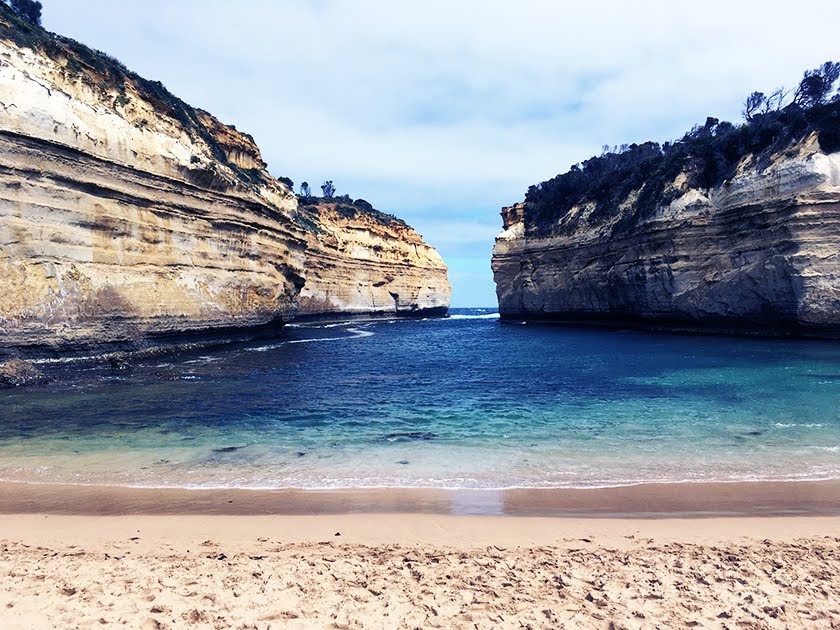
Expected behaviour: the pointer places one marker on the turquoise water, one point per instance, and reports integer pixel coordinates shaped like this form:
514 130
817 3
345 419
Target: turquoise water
463 402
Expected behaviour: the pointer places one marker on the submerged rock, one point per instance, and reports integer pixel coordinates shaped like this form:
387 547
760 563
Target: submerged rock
227 449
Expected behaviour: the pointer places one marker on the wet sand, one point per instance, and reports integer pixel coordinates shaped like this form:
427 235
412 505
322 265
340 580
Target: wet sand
811 498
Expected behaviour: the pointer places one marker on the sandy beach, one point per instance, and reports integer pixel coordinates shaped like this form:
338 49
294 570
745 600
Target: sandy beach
408 570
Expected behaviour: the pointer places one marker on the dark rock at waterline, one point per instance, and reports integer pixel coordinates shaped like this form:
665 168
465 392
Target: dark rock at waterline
19 373
411 435
120 362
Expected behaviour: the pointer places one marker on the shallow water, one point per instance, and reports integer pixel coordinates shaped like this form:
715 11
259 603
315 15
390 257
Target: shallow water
463 402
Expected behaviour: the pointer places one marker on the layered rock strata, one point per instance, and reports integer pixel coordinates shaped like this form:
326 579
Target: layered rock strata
366 263
126 214
760 253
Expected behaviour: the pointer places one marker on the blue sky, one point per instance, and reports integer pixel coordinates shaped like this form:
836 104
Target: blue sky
442 112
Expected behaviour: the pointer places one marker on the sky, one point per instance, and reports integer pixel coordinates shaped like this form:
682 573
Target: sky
442 112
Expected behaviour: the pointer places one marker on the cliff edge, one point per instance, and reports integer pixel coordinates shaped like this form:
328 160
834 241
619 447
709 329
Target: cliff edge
126 214
730 229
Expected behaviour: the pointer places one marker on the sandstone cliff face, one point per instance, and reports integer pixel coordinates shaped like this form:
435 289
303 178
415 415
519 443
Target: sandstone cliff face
362 263
759 253
126 214
121 216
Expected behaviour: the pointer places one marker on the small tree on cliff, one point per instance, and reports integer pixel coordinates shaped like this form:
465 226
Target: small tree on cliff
753 104
817 84
29 10
305 190
328 189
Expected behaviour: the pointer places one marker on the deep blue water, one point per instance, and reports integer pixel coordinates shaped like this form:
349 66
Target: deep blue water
466 401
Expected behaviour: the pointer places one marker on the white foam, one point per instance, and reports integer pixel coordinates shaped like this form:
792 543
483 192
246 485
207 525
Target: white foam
334 325
87 357
483 316
357 334
809 425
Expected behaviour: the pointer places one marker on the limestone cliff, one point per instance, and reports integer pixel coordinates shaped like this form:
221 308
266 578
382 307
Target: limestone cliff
360 261
127 214
757 252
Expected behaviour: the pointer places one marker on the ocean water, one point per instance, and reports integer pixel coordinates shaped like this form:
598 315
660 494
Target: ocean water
462 402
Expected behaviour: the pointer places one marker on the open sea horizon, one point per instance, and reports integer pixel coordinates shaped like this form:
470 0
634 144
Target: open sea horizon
463 402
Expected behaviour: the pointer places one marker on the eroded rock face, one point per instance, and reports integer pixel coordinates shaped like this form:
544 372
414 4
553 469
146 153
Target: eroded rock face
127 214
118 220
761 253
369 264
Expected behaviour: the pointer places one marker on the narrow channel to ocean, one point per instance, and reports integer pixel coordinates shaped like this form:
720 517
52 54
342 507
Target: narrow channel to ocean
467 401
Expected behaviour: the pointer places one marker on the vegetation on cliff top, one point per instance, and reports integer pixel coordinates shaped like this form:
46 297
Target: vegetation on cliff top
708 155
29 10
344 205
349 209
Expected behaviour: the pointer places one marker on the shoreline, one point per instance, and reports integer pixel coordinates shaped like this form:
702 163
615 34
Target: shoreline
647 501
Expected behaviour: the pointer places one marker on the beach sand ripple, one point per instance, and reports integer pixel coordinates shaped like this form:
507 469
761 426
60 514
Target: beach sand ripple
577 583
